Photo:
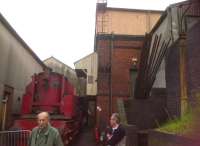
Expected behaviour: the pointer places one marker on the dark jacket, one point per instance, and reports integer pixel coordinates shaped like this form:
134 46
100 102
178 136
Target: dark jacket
117 135
47 137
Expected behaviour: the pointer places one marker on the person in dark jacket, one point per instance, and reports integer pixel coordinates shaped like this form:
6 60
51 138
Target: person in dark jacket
117 131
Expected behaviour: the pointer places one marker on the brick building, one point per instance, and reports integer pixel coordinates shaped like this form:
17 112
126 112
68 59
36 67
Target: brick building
119 36
115 55
118 40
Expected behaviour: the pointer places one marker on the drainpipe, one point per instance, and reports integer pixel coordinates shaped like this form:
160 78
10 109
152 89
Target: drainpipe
4 101
110 81
183 81
182 51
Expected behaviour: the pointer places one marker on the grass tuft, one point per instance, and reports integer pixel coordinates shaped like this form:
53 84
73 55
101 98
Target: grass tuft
178 126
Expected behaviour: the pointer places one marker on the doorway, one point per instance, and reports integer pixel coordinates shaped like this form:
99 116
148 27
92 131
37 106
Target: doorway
7 101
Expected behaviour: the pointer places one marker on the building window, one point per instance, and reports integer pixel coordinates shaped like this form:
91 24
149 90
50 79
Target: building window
90 79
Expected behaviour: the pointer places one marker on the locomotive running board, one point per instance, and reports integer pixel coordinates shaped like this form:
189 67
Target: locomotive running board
53 117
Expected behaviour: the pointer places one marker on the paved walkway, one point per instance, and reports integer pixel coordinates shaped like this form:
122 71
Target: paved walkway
85 138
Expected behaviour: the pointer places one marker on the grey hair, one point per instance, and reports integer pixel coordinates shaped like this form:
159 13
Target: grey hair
47 114
117 117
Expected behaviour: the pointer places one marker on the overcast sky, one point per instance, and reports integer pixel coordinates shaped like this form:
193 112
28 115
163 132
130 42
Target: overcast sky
63 28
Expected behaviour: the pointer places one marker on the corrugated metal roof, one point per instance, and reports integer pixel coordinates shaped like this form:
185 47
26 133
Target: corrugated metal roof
57 60
134 10
84 57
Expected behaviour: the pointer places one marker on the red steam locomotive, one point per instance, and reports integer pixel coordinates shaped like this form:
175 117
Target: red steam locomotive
51 92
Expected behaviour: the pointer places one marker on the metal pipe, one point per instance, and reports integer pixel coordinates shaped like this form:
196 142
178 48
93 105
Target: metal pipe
152 76
182 67
111 53
62 88
143 68
4 101
156 50
159 61
150 55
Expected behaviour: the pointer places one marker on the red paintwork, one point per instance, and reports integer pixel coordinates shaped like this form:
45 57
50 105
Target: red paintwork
51 92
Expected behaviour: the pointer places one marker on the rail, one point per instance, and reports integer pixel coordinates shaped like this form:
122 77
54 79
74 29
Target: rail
14 138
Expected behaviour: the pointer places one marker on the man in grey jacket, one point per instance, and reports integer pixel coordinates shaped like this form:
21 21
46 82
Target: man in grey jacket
44 134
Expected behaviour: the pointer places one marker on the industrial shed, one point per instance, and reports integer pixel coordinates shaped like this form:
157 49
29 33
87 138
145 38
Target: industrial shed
89 63
71 74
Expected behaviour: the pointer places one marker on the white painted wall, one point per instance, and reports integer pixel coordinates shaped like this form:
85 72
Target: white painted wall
90 63
17 65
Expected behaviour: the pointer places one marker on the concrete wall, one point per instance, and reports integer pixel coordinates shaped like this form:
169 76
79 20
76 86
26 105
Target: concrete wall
146 113
126 22
90 63
17 65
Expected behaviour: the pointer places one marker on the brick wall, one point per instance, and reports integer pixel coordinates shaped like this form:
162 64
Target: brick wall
124 48
193 60
173 81
122 61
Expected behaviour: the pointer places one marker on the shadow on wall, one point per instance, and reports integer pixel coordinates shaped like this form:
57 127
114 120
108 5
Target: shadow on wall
147 113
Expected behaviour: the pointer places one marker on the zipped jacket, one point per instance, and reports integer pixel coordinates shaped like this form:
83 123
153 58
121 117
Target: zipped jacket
45 137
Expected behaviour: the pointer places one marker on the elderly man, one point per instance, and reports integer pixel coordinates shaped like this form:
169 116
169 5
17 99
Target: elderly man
44 134
117 133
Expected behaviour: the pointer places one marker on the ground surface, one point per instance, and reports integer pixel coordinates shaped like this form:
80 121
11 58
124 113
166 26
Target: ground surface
85 138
